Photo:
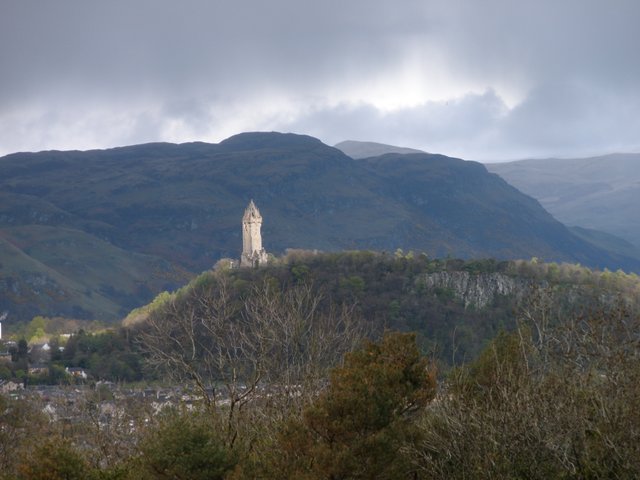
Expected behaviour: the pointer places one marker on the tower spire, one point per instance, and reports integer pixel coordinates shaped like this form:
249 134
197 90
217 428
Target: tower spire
253 254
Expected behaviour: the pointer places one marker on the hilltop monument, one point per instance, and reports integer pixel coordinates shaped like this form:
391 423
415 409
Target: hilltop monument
253 254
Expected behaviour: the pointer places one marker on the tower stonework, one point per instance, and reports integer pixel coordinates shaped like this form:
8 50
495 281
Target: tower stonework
253 254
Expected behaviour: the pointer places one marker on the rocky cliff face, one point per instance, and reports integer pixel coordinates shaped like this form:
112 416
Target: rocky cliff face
477 290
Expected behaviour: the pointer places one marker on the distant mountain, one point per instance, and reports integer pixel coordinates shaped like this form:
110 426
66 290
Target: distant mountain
485 215
358 150
94 233
600 193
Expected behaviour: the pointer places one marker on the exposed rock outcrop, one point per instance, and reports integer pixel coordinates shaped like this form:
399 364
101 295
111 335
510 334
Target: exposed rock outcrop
477 290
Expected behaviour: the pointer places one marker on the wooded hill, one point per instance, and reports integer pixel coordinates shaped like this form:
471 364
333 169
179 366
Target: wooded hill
94 234
454 305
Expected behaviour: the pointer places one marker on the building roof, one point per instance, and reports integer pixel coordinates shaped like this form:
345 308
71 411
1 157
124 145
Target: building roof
252 214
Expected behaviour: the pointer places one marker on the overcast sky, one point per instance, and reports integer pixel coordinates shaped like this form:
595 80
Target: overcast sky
478 79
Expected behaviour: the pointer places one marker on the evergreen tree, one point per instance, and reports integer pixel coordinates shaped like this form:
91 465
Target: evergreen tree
356 427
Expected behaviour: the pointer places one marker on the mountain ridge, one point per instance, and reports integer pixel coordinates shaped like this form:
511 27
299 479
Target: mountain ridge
180 207
357 149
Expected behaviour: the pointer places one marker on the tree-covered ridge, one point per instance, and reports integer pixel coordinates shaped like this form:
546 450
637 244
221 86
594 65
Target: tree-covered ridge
413 292
455 306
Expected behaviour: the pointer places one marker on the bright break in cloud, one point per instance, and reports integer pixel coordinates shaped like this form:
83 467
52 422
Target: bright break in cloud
482 80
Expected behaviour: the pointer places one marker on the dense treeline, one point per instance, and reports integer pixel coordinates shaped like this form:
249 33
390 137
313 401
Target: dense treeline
106 355
110 355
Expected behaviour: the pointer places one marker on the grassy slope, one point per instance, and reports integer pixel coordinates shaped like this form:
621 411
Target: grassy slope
30 287
60 271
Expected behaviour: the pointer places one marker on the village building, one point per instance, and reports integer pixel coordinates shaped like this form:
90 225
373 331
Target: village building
7 386
77 372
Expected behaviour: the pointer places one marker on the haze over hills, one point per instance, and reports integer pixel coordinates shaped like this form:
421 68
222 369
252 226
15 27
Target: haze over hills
88 232
356 149
607 241
600 193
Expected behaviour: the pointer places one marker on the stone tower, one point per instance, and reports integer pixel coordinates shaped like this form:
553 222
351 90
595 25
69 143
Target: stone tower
253 254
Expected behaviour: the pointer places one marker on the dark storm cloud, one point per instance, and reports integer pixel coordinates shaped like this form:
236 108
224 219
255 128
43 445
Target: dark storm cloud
126 47
487 79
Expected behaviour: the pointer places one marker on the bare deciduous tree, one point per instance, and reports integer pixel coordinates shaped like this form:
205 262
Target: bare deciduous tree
556 398
273 346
